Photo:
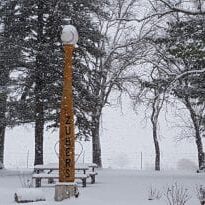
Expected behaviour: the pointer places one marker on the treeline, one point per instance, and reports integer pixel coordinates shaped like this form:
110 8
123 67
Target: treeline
174 68
153 50
31 68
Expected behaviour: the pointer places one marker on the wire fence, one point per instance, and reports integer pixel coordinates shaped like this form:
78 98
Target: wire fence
133 160
146 161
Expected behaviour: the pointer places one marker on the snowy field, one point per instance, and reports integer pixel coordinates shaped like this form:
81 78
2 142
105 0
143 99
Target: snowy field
113 187
127 148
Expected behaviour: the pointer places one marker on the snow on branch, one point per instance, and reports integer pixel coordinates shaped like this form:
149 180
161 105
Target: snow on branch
158 15
171 8
182 10
189 73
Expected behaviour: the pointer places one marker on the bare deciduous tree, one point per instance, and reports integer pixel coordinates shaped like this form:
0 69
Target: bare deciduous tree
120 46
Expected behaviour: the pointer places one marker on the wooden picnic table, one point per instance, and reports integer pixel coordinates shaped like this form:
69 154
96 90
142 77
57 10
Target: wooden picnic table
51 167
54 166
93 166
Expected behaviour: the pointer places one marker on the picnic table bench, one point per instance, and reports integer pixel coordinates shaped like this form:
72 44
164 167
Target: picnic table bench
48 172
52 176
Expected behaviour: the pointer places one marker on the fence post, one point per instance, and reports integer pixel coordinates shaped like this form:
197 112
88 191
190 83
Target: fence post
27 158
141 160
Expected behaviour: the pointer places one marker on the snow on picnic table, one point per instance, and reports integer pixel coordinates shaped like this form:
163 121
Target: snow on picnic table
113 187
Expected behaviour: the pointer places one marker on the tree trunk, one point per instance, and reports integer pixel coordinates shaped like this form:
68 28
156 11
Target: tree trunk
156 107
199 148
39 128
157 149
198 139
2 138
3 99
39 112
39 87
96 141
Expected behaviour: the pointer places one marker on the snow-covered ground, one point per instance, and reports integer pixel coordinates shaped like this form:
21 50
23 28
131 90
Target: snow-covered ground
113 187
126 144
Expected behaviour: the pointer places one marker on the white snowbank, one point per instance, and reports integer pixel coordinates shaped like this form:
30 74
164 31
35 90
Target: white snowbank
29 195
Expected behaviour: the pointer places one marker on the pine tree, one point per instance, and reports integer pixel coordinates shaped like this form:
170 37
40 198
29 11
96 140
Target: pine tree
41 24
9 60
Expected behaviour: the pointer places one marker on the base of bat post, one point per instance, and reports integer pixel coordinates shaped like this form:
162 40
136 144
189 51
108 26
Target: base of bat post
65 190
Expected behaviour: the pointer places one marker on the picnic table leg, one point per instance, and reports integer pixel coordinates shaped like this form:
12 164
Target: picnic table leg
38 182
92 179
76 192
84 182
50 181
